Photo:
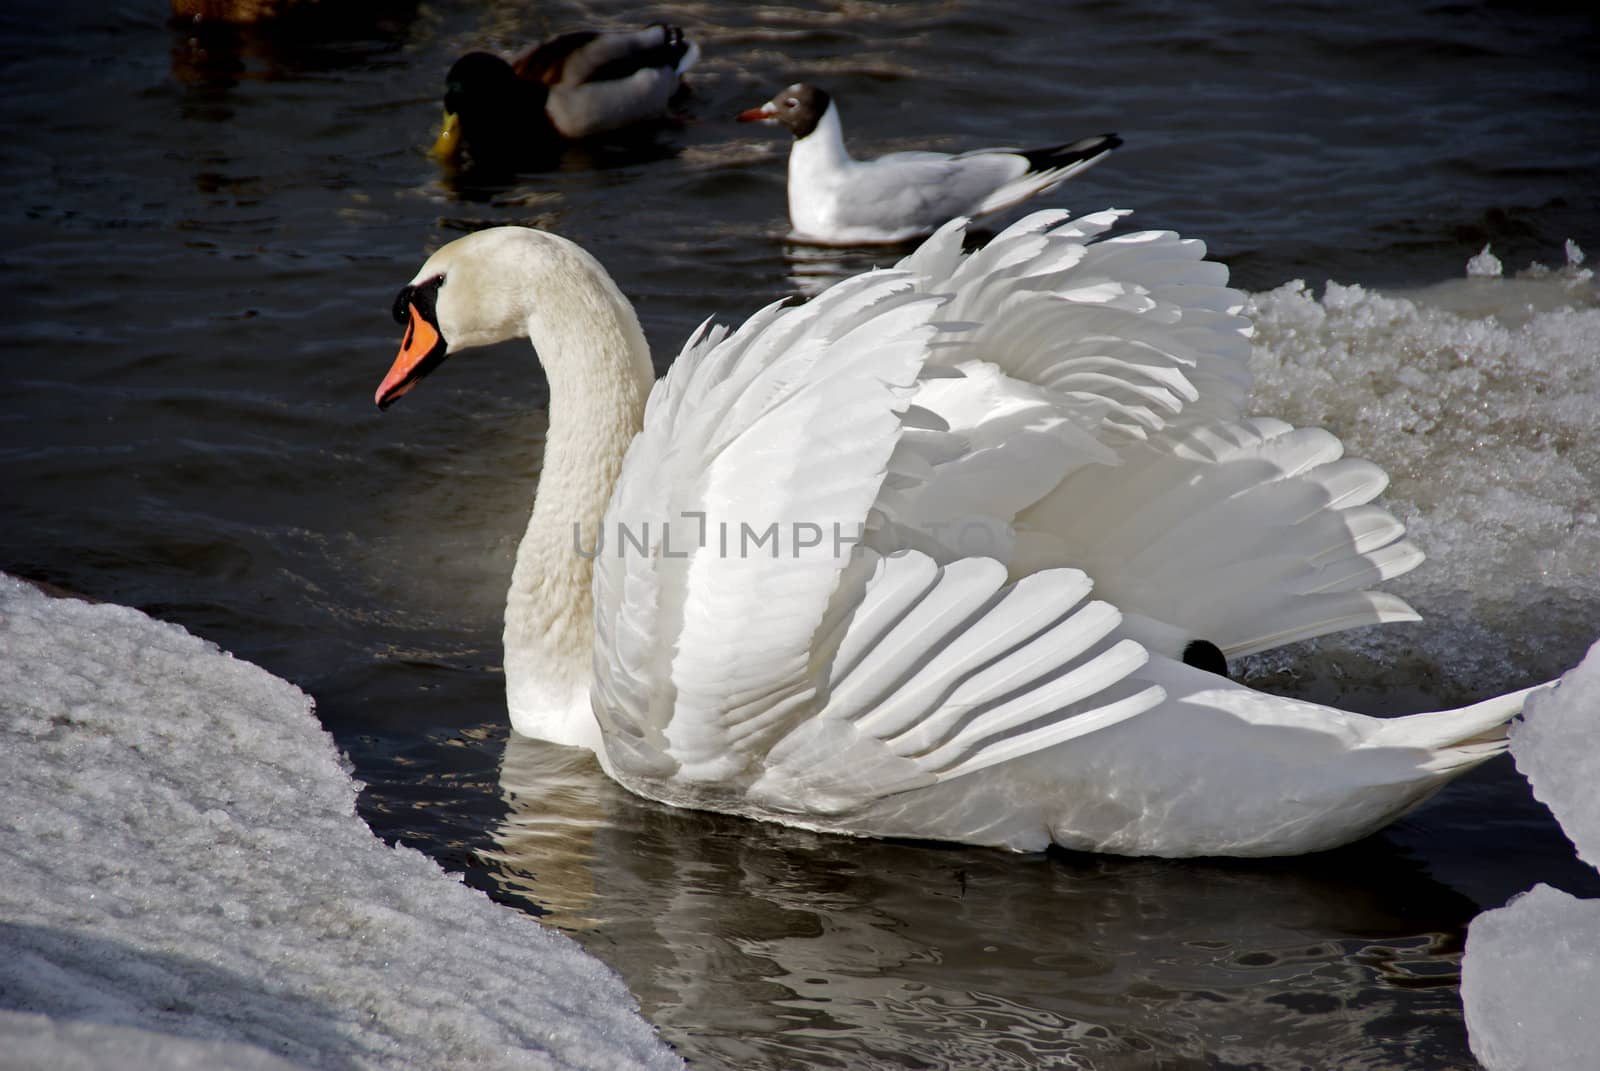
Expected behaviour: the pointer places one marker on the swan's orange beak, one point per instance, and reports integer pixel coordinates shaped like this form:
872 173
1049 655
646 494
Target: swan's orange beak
420 353
756 115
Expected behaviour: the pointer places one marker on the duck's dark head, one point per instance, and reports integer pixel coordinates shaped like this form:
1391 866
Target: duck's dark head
488 110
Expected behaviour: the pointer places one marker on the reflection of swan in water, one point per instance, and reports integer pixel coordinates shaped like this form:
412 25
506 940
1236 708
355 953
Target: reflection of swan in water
544 851
759 946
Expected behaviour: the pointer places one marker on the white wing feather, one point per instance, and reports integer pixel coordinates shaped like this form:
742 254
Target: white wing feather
943 671
789 422
1249 534
1060 351
1136 332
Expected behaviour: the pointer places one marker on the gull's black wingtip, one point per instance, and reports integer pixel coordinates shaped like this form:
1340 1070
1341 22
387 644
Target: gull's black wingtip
1074 152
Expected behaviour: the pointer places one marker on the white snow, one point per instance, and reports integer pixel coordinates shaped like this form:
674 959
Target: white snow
186 883
34 1042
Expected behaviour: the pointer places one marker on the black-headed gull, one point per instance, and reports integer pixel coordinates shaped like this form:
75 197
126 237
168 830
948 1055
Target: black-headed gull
573 86
835 199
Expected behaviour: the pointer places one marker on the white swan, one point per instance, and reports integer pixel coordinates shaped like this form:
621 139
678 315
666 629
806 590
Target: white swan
835 199
849 547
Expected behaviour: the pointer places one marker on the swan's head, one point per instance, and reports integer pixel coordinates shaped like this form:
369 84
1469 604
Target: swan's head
476 291
799 108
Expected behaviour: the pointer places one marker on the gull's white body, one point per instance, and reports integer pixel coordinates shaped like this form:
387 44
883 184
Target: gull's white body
946 458
836 199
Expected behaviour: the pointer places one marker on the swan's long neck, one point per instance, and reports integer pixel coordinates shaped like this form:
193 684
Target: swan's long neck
598 366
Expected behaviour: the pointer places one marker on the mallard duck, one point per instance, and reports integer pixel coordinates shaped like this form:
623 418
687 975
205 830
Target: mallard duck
574 86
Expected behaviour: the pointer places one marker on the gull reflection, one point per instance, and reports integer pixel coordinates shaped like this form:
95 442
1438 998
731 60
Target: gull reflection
814 268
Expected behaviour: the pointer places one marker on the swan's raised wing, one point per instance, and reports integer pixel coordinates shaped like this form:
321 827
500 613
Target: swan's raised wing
1250 535
735 512
1064 347
739 651
938 672
1135 332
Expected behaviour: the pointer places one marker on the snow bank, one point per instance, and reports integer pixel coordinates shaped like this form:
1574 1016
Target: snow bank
34 1042
187 884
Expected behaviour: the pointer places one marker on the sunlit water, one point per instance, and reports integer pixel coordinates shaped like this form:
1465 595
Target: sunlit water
202 239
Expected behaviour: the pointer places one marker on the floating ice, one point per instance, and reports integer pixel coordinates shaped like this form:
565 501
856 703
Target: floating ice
1484 264
1556 745
187 884
1529 982
1532 968
1478 397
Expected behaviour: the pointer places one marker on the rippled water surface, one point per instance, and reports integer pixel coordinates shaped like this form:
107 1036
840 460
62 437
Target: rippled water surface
202 236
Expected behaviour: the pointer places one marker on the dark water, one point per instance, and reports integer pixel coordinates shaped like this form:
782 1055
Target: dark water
202 236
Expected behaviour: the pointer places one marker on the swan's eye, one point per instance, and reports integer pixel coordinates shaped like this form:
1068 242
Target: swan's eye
427 295
422 295
791 102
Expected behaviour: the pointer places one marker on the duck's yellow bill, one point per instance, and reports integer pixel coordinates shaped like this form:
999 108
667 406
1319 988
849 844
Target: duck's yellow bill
449 140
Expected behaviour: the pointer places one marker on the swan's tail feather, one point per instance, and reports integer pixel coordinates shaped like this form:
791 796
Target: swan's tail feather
1459 739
